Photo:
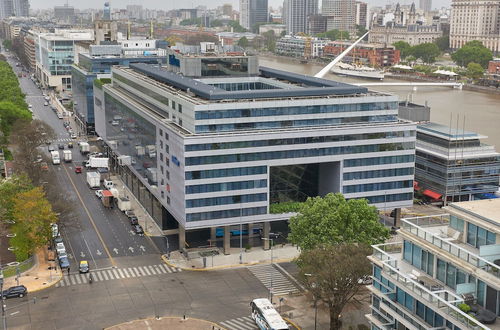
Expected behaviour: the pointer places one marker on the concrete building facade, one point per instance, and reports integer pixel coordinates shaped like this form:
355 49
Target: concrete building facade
475 20
253 12
221 139
296 13
341 13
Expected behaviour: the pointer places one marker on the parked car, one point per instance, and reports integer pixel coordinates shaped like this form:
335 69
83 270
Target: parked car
134 221
70 145
64 262
15 291
78 169
60 146
51 148
130 213
62 255
58 239
98 193
55 229
46 104
60 247
30 106
84 267
138 230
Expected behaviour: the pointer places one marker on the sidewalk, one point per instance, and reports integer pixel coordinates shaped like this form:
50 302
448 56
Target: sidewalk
150 227
256 255
37 277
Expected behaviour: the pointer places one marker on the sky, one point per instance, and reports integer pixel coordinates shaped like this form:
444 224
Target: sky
173 4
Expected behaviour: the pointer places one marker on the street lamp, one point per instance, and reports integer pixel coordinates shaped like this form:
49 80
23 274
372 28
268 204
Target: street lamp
271 288
313 285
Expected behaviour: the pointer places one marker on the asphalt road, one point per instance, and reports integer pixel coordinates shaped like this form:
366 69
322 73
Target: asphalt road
92 232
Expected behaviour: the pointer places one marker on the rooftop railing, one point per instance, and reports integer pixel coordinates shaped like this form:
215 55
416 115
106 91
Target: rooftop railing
445 300
444 242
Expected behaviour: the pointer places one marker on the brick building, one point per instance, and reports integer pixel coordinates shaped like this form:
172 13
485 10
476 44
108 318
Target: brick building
494 66
377 55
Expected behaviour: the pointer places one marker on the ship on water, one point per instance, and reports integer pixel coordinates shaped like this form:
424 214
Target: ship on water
357 71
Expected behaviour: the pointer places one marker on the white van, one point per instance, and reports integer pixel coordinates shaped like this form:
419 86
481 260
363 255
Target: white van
56 160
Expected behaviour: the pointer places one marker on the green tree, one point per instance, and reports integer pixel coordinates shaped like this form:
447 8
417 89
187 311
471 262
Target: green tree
270 40
7 44
427 52
9 188
403 47
216 23
360 31
191 21
236 26
334 35
333 219
243 42
33 215
332 275
474 70
473 51
9 114
443 43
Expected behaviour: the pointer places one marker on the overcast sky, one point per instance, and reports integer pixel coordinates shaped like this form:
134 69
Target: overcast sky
172 4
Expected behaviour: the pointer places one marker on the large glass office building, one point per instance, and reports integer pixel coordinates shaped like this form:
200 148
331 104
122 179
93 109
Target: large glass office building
215 140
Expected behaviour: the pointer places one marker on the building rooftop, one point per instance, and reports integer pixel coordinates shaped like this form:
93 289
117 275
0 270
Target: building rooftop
486 209
448 133
298 85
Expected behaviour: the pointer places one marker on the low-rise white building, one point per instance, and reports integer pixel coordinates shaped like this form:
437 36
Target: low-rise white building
298 46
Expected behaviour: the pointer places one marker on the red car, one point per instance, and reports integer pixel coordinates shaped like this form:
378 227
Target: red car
78 169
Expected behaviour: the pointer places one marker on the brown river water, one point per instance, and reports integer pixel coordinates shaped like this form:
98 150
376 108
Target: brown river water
481 110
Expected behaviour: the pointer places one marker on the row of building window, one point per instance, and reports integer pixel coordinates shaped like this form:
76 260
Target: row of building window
225 172
377 186
225 186
226 214
300 110
477 236
389 198
292 123
378 173
301 140
379 161
225 200
317 152
419 258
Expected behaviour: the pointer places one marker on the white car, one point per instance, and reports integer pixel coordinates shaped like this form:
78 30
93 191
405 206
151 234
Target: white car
73 135
60 248
30 106
46 104
115 123
47 98
98 193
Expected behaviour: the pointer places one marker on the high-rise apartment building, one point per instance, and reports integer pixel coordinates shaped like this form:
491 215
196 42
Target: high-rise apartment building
342 14
21 8
64 13
362 14
475 20
296 14
253 12
227 9
425 5
6 8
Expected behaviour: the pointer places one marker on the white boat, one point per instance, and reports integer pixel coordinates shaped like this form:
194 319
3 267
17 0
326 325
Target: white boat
358 71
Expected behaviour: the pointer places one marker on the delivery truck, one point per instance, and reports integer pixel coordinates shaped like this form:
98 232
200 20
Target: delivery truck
124 204
84 148
151 151
95 162
56 160
107 198
94 180
67 155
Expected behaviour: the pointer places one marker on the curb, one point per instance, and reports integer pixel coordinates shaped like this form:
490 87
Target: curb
166 261
50 285
169 317
292 323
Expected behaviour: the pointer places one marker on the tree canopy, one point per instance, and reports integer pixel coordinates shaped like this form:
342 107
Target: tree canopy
403 47
427 52
473 51
333 220
236 26
332 274
334 35
474 70
443 43
243 42
9 188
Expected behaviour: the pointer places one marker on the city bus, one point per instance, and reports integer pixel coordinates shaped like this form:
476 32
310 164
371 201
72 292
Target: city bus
266 317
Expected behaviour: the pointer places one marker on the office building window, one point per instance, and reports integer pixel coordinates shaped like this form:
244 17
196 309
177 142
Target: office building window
179 107
478 236
457 223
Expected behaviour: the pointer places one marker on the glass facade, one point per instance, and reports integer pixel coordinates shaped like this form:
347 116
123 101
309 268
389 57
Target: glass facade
225 186
302 140
377 186
130 134
379 160
224 66
203 160
244 212
225 172
418 257
478 236
298 110
83 94
292 123
378 173
225 200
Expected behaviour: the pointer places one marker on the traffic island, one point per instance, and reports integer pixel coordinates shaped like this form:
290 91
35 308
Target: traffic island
177 323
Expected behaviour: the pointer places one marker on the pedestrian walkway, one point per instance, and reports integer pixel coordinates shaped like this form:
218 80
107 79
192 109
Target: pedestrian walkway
273 279
241 323
64 140
117 273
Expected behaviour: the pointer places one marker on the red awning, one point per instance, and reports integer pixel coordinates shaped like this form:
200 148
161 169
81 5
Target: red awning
432 194
107 193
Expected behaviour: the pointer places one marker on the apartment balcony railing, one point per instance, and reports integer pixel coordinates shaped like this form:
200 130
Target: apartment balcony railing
443 241
444 301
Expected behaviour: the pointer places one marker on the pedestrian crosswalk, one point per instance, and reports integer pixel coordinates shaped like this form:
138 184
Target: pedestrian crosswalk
117 273
272 278
63 140
241 323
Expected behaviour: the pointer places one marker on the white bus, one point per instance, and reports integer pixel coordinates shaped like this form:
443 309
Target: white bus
266 317
56 160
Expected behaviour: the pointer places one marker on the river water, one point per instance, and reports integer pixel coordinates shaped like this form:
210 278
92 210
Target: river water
481 110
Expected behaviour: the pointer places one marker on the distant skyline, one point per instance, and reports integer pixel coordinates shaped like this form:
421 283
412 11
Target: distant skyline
170 4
